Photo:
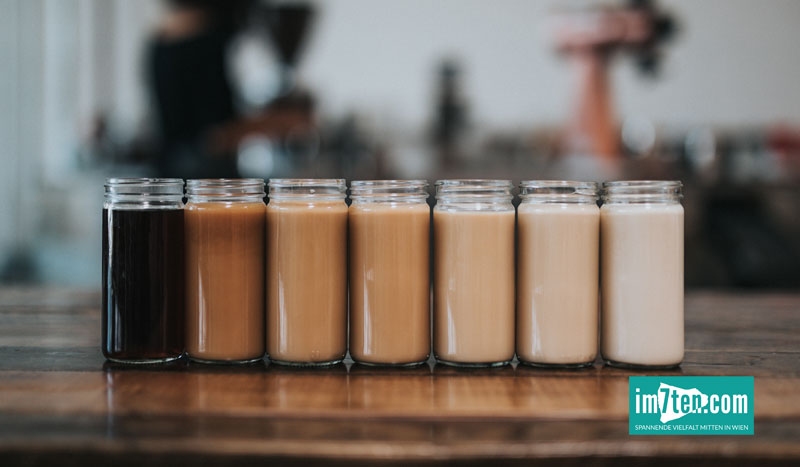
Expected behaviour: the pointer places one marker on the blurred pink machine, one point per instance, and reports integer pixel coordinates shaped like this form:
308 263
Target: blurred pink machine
590 38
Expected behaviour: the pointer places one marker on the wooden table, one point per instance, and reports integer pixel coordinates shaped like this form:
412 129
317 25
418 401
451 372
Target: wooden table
60 403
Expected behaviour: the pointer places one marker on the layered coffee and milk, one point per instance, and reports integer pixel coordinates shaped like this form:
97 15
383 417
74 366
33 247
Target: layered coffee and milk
225 263
474 272
306 271
642 273
389 228
557 273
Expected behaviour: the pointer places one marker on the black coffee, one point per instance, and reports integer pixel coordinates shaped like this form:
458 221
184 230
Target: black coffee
143 286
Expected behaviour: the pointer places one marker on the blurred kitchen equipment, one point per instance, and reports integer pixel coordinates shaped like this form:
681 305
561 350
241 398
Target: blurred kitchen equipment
450 116
288 25
280 136
590 37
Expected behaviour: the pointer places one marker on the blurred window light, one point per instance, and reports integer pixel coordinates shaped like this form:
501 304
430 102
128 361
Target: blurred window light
255 73
256 157
639 135
701 148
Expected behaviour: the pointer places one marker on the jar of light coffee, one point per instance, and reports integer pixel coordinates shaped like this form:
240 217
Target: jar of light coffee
306 271
389 228
558 235
473 272
225 223
641 224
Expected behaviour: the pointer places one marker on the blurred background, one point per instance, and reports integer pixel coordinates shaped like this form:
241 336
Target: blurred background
703 91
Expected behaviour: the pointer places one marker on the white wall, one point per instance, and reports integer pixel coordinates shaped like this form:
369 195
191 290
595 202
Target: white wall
734 62
20 121
8 127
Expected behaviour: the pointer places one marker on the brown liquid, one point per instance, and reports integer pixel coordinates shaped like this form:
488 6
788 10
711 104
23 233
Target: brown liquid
143 296
642 271
225 280
389 283
474 286
557 283
306 281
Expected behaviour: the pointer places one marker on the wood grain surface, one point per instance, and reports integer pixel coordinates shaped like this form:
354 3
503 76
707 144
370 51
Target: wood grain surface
61 403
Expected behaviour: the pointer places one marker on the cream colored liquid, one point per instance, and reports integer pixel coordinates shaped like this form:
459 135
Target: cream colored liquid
474 286
306 281
557 282
642 283
225 280
389 282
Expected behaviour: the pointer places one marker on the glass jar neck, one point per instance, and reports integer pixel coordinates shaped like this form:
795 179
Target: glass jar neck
389 191
643 192
143 193
307 189
558 192
474 195
221 190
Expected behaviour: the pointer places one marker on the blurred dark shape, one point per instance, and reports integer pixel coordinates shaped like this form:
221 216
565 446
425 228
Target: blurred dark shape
754 252
647 54
288 119
450 119
97 145
785 142
191 88
19 267
226 14
200 131
352 151
192 92
288 25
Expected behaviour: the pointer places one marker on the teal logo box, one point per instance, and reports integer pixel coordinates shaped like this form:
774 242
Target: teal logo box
690 405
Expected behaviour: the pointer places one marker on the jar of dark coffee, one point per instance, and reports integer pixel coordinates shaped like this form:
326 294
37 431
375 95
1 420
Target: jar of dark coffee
143 270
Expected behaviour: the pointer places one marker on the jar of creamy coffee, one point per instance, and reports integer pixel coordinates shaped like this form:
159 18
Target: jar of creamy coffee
473 225
641 224
389 228
306 271
225 222
558 235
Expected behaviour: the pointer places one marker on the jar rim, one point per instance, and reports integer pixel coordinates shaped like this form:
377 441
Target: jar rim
170 187
306 182
474 191
642 191
314 188
389 190
130 181
225 189
558 191
388 183
474 182
558 184
641 184
224 182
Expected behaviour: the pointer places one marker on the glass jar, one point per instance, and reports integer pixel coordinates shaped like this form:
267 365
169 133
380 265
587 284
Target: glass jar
225 222
307 271
558 235
143 288
473 225
641 225
389 228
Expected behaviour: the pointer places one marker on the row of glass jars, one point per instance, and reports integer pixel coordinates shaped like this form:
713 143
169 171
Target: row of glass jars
225 282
